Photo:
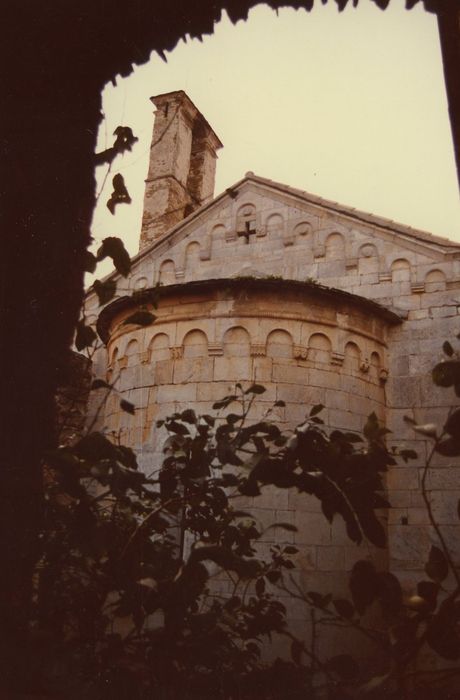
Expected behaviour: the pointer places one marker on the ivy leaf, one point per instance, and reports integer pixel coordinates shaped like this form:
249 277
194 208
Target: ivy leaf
437 567
256 389
100 384
127 406
105 290
113 247
290 550
316 409
280 403
140 318
188 416
177 428
223 403
85 336
448 349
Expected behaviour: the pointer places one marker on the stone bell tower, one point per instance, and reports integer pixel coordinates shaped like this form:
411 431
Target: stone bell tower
182 165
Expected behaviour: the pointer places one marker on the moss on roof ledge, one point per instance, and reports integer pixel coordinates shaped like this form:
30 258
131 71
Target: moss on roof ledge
239 284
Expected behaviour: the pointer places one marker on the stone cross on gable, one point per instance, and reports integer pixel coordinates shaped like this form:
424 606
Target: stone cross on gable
248 231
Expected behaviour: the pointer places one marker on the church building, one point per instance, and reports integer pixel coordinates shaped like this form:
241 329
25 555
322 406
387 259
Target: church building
317 301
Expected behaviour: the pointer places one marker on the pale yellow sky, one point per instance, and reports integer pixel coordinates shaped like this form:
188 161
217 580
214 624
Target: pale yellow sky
349 106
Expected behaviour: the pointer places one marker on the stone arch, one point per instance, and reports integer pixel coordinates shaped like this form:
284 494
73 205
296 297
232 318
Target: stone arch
302 229
167 274
435 281
319 348
335 246
192 256
132 351
219 232
302 233
159 348
246 218
195 344
275 225
352 357
236 342
400 270
368 258
279 344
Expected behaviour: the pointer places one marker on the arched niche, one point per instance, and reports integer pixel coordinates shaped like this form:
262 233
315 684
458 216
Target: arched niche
167 273
246 218
435 281
352 357
302 232
236 342
274 226
375 366
218 232
132 351
141 283
319 348
159 348
400 270
195 344
335 246
279 344
192 256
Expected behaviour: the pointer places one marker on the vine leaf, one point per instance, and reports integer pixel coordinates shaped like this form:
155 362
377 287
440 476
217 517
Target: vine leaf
113 247
127 406
100 384
256 389
85 336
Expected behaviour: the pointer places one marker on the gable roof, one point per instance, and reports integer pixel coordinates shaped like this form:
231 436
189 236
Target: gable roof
380 222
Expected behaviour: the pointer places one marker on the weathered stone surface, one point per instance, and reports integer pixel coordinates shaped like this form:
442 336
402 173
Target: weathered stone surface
305 344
